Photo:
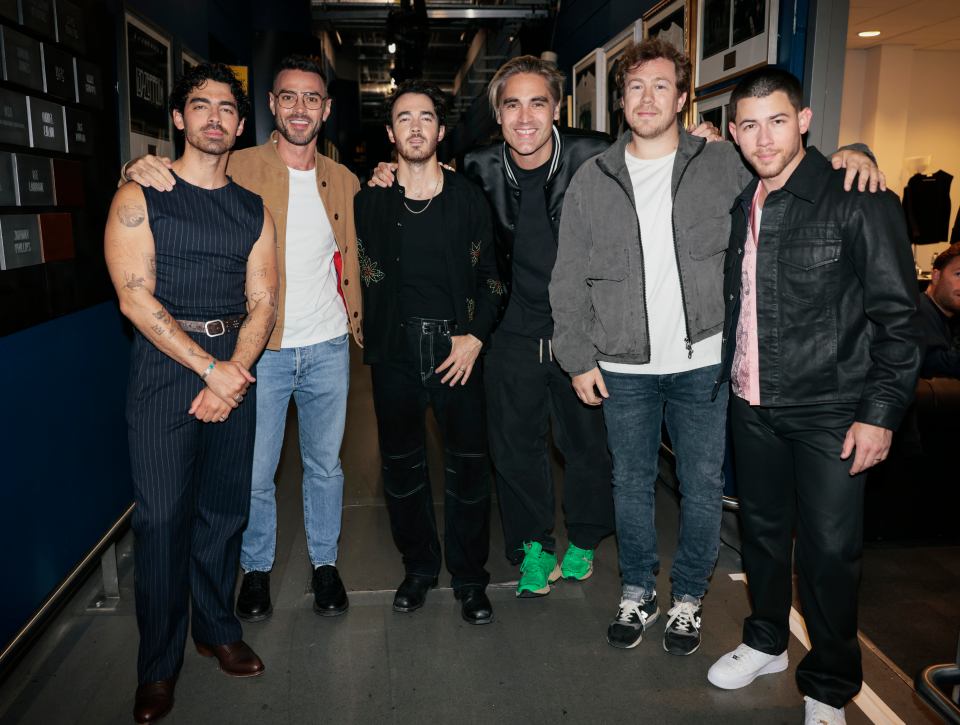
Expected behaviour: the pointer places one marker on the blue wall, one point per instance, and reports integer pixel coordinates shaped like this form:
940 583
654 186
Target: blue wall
66 476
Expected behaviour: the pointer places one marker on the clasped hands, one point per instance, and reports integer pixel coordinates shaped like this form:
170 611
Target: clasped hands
226 386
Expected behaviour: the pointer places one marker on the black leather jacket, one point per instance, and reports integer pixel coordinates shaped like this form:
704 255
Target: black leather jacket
489 167
836 295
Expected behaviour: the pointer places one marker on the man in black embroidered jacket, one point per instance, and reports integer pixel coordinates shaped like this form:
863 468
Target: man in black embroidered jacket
431 294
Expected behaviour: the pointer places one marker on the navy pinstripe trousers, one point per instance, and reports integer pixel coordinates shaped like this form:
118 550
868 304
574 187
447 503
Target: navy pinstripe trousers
191 483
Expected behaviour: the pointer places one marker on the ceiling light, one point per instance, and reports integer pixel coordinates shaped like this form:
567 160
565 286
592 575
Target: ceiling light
392 48
869 34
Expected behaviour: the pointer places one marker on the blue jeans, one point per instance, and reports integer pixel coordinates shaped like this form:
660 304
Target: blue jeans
635 411
317 376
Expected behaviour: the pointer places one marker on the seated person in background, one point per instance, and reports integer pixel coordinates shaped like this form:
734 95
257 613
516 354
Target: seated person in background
938 306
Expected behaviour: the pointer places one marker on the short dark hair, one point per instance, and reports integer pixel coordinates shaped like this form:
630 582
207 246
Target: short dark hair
762 82
305 63
943 259
197 76
651 49
431 90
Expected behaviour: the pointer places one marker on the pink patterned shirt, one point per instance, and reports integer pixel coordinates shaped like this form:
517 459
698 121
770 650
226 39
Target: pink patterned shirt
745 377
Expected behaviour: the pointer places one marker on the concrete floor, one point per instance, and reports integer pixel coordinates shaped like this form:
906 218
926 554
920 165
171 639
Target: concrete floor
541 661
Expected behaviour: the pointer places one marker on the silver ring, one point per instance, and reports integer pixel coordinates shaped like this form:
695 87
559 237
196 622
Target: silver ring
223 419
462 369
238 398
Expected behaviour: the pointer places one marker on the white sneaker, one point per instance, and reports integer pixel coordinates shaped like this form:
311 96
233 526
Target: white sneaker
742 666
820 713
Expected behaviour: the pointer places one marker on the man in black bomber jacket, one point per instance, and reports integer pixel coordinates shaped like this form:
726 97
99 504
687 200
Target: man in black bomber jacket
431 295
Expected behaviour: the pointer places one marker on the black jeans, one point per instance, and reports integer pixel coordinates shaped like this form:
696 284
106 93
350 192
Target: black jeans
525 388
401 393
790 478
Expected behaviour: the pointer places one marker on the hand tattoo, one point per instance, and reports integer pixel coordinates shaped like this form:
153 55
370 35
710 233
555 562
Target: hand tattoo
131 215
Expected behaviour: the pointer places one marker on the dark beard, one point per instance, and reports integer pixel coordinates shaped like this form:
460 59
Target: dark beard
296 140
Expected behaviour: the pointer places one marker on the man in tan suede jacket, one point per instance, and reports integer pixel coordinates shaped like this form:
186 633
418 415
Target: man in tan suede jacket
307 356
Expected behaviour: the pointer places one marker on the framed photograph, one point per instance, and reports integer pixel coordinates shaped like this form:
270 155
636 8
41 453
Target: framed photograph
714 107
147 87
669 20
613 122
735 36
188 60
587 91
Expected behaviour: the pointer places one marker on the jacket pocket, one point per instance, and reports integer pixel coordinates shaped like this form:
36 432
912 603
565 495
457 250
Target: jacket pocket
809 265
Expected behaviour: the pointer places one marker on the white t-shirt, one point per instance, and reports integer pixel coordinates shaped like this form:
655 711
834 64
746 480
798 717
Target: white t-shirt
313 310
651 180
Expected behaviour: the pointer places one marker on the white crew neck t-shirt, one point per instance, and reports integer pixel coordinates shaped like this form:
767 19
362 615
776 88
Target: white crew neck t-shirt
313 309
651 180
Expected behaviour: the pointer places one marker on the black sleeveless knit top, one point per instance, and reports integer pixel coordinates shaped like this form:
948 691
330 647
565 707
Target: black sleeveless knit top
203 238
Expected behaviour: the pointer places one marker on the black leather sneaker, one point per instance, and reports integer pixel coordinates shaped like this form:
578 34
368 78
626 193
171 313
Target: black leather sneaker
329 596
253 602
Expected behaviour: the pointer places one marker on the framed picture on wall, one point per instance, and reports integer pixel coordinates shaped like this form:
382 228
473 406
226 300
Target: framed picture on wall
734 36
188 60
146 86
669 20
613 122
715 108
587 92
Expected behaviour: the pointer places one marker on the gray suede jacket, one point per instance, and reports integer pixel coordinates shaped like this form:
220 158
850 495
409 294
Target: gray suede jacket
598 288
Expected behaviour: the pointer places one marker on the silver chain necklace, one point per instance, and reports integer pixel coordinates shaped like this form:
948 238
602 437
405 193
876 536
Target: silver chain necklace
429 201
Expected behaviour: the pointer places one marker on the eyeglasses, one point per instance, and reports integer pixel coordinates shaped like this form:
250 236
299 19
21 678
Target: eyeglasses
288 99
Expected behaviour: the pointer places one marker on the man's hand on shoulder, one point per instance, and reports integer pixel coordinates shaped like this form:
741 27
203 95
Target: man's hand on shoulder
705 130
861 167
383 175
152 171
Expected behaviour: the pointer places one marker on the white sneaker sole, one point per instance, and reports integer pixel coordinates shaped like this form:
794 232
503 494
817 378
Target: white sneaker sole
777 665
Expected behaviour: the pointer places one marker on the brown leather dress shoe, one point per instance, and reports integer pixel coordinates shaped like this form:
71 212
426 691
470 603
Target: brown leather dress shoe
153 700
236 659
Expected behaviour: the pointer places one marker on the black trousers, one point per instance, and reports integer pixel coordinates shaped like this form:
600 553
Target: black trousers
526 389
790 479
401 393
191 484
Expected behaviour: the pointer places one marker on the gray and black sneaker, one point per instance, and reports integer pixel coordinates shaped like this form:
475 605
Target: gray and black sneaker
682 633
632 620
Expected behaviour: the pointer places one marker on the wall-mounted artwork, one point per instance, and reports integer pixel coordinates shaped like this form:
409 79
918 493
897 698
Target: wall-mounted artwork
735 36
587 97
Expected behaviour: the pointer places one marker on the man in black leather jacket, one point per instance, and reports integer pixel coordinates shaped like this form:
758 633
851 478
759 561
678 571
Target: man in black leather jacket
822 355
525 178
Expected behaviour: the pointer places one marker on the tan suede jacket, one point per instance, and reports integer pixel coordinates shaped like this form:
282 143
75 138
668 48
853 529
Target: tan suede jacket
261 170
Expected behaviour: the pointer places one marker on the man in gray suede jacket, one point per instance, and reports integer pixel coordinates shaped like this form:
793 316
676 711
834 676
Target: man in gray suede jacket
637 299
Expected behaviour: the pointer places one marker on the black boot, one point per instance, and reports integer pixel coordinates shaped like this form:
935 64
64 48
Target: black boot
329 596
253 602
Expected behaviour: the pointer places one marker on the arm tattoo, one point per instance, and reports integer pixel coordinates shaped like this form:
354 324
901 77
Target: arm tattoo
162 315
151 262
158 330
131 215
196 352
258 273
133 282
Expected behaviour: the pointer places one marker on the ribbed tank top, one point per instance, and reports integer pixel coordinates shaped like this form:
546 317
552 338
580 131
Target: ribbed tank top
203 238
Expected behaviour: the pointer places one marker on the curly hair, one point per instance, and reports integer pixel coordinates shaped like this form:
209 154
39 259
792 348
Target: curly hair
651 49
197 76
431 90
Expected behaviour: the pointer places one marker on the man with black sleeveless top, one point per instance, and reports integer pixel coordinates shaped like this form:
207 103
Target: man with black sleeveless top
430 296
195 270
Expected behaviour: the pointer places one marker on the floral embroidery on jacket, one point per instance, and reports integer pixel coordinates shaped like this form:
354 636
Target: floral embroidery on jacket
369 270
471 308
496 286
474 253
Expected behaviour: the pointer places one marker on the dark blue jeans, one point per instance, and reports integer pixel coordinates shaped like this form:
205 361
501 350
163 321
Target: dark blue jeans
402 391
635 411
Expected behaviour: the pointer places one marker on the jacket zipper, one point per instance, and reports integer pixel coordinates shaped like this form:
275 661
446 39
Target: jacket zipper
676 253
643 267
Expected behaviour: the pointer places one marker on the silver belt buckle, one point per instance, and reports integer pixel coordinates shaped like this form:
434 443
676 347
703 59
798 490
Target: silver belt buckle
219 328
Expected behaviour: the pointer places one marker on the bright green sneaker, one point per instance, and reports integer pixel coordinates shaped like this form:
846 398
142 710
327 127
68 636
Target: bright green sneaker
538 570
577 563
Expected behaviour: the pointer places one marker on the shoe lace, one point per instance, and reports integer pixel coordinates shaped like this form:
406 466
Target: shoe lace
743 657
629 612
682 617
531 562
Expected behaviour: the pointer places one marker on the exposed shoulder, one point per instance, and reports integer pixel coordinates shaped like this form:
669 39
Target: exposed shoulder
130 205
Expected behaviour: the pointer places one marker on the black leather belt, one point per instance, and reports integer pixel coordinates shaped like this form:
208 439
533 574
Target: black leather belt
213 328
